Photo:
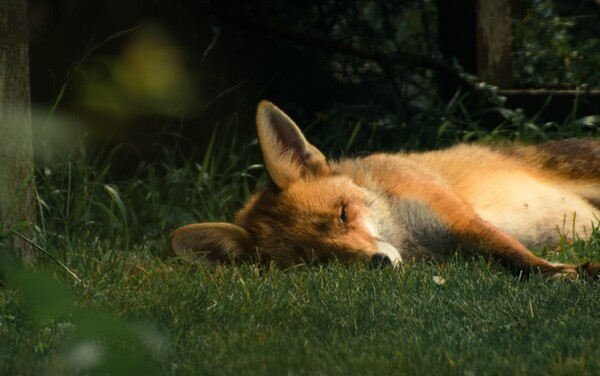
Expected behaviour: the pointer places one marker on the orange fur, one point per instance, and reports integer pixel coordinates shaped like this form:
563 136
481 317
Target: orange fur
489 201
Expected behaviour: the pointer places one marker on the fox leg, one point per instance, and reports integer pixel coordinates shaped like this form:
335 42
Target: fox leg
477 236
472 233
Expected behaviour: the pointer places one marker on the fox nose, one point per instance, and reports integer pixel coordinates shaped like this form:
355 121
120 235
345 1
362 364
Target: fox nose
381 259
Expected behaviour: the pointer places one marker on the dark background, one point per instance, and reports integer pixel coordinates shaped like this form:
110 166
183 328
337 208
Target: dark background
120 80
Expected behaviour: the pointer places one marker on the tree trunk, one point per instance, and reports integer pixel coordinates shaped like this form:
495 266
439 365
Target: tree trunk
494 41
16 155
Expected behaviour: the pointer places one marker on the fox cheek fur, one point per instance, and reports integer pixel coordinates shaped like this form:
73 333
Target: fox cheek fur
324 220
390 208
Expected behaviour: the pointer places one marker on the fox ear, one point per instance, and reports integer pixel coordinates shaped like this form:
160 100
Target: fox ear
213 242
288 156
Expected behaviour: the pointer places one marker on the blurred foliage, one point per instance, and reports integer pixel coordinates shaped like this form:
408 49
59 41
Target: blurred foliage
70 340
148 76
557 44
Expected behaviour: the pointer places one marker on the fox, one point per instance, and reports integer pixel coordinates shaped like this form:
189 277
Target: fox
493 201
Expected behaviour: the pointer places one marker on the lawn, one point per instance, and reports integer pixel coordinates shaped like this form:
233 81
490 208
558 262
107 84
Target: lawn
141 315
120 303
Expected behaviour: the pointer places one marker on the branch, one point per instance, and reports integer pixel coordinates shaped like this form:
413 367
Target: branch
548 92
386 61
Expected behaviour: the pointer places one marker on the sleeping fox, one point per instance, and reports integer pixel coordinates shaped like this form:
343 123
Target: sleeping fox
491 201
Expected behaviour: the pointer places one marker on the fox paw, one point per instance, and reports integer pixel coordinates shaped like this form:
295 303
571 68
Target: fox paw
568 273
590 269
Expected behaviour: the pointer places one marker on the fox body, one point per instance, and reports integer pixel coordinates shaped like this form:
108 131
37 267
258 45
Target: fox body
391 208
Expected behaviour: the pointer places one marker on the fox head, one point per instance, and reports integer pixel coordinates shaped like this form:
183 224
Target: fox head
308 211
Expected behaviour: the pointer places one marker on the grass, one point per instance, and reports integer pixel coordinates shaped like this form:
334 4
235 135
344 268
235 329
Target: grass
458 318
138 310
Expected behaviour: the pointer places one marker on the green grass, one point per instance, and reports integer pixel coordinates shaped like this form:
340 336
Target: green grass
134 309
172 319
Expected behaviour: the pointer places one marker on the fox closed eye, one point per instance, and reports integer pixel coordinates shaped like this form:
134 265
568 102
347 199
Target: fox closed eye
343 215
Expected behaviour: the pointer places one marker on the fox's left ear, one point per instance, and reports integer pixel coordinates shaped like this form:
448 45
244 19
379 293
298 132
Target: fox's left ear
288 156
215 242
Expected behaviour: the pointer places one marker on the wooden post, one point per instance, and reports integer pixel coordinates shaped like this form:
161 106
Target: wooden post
494 41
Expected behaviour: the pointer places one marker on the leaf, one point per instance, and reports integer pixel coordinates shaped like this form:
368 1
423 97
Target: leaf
589 121
117 200
42 297
17 227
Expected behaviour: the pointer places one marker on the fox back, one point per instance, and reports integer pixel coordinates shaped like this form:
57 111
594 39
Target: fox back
392 208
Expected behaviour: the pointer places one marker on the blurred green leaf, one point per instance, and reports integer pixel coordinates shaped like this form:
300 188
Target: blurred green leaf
43 298
589 121
18 227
